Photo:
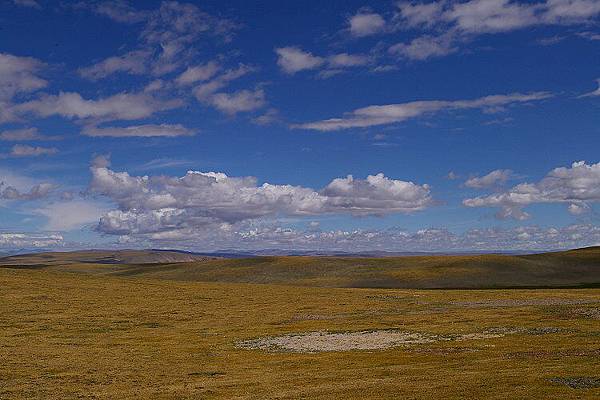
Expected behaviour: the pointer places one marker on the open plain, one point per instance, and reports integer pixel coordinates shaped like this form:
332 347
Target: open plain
99 331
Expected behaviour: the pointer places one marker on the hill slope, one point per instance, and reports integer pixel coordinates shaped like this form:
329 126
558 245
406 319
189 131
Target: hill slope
574 268
118 257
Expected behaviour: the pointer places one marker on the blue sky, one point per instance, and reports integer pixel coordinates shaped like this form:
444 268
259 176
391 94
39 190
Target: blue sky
401 126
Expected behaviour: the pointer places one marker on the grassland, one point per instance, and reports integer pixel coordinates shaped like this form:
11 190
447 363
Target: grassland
106 334
576 268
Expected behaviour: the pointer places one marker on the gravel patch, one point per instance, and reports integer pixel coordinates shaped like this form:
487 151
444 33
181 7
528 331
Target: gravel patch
325 341
320 341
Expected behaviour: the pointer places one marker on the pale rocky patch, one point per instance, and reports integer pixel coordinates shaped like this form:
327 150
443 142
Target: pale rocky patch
324 341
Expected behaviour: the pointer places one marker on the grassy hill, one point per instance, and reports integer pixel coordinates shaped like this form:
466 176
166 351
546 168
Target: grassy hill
117 257
574 268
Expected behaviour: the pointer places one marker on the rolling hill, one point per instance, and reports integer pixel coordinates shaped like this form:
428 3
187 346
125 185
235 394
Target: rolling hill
117 257
574 268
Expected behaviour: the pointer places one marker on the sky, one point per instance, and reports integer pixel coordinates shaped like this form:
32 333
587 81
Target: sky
333 126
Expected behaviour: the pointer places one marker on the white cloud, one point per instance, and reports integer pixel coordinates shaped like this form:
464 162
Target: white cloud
174 27
23 150
167 39
458 22
365 24
492 16
117 10
147 130
19 75
293 59
593 93
424 47
230 103
198 73
21 182
258 236
348 60
489 16
393 113
204 91
269 117
68 215
122 106
207 199
240 101
578 186
421 14
133 62
493 179
29 240
24 134
38 191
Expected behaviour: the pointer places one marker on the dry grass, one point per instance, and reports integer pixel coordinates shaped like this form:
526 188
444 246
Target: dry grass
65 336
578 268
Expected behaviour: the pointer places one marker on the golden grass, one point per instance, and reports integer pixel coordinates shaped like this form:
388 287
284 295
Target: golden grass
578 268
66 336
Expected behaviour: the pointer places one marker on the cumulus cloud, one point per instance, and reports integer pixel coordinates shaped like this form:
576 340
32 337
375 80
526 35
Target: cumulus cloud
69 215
366 23
393 113
577 186
161 204
23 150
258 236
493 179
293 59
38 191
147 130
29 240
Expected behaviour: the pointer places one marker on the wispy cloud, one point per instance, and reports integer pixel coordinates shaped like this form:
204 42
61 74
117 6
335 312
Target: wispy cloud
393 113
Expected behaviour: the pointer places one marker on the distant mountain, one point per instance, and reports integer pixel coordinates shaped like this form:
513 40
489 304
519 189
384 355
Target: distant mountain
233 253
104 257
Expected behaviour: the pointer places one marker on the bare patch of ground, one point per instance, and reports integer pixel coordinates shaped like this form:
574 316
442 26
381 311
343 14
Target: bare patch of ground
321 341
325 341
